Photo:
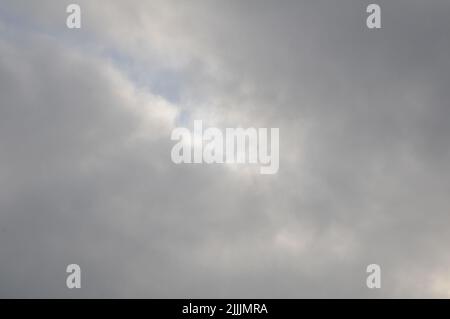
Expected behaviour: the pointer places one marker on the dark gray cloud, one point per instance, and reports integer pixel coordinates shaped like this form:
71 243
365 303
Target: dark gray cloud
86 176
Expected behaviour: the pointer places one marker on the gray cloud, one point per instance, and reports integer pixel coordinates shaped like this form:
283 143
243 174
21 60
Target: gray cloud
86 176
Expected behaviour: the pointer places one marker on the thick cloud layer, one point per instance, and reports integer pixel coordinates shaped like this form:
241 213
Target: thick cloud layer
85 169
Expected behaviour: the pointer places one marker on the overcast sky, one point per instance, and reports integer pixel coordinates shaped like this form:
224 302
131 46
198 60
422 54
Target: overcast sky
85 169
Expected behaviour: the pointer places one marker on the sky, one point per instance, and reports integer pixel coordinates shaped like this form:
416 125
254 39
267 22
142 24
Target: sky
86 176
